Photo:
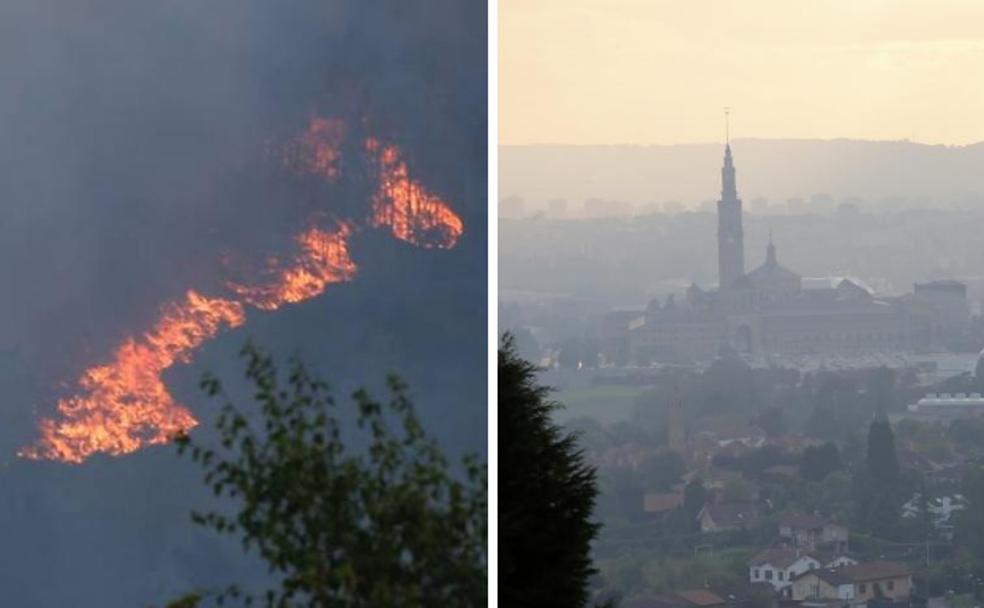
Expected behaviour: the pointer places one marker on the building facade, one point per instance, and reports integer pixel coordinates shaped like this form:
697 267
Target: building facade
854 585
806 531
772 310
778 567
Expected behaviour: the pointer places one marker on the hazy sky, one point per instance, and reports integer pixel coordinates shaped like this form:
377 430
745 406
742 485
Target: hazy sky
660 71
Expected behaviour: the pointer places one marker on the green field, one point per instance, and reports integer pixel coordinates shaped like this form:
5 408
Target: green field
607 404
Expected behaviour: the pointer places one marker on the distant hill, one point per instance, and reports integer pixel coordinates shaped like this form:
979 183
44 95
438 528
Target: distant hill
914 174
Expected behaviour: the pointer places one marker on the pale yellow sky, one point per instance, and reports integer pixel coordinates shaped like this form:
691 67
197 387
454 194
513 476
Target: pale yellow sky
660 71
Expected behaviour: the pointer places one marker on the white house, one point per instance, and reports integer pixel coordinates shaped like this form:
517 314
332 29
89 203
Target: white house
779 567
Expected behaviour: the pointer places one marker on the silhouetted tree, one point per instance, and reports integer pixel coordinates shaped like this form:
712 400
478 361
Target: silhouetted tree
877 488
382 524
820 461
880 390
883 462
970 525
694 499
546 496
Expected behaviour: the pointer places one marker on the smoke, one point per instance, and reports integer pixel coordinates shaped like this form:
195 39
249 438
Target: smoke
136 143
137 147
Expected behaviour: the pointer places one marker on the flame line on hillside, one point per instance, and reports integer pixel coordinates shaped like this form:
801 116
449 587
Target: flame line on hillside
123 405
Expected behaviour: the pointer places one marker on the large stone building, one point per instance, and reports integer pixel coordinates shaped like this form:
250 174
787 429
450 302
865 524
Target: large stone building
772 310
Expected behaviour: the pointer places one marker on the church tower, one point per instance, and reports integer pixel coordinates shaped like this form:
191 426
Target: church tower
731 245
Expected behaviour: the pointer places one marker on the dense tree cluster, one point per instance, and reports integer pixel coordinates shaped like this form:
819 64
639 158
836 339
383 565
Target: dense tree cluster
545 499
363 512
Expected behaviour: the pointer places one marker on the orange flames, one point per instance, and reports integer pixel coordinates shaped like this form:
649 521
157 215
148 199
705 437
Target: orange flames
123 405
323 260
316 151
412 212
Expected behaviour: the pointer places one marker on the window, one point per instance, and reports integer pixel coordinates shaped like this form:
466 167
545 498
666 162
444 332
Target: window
781 573
755 574
862 588
768 575
890 585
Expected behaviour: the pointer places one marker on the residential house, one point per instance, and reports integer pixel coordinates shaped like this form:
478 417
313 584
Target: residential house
854 585
689 598
778 567
701 598
831 558
658 504
806 531
730 516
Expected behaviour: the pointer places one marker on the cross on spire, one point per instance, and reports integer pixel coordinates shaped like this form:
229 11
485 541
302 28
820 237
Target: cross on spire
727 130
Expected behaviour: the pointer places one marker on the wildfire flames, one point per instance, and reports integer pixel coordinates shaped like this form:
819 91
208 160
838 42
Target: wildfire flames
323 260
412 213
123 405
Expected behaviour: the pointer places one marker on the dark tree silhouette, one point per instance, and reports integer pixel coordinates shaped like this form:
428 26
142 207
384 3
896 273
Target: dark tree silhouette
546 496
883 462
970 526
878 488
694 499
818 462
353 515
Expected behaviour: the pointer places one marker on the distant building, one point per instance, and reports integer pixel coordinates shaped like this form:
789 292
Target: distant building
772 310
854 585
557 208
945 406
700 598
725 517
691 598
806 531
778 567
656 504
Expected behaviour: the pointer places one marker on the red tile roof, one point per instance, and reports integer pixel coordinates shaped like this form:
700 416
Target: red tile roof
700 597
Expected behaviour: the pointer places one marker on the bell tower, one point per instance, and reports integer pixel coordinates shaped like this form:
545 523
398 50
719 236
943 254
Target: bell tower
731 244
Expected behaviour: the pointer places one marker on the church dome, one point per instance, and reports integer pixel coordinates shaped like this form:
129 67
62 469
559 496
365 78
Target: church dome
771 270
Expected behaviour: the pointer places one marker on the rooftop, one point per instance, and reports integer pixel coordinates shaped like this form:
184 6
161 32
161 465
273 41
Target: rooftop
780 558
861 573
803 521
700 597
732 515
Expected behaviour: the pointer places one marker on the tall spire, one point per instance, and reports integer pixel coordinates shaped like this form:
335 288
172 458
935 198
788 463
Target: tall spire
770 253
729 191
727 131
731 247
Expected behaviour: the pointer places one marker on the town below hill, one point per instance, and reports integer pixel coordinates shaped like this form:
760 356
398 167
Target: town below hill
741 487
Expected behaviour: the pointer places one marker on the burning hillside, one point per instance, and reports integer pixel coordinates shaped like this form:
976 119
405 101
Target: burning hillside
122 404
